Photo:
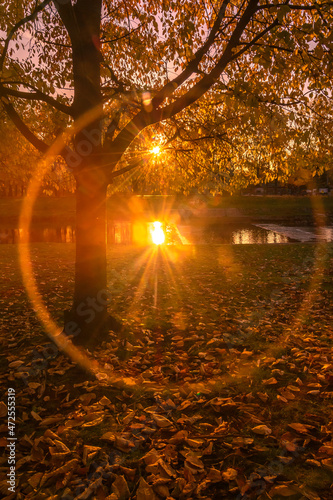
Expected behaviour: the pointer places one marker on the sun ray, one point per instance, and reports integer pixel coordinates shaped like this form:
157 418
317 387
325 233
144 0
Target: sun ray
149 261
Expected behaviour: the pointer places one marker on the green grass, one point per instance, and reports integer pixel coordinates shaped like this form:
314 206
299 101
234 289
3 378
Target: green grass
315 478
45 210
62 210
277 206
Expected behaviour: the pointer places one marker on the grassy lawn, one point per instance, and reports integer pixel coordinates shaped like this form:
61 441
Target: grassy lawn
230 352
278 206
62 210
46 210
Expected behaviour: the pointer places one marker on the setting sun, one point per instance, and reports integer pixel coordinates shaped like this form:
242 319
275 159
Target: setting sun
156 150
157 233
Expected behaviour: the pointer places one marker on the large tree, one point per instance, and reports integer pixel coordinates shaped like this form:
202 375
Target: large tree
114 68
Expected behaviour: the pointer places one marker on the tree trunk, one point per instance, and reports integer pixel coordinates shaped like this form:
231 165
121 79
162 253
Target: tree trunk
88 321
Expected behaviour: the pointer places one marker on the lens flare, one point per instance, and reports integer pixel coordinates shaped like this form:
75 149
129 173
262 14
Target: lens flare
157 233
150 263
156 150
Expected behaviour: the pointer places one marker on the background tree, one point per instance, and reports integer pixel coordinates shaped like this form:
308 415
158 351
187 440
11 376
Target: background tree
20 161
125 66
17 158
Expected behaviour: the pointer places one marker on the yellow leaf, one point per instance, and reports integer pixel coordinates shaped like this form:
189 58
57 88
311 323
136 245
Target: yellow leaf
51 420
34 385
35 480
214 475
61 446
120 488
195 443
144 491
123 444
151 457
179 437
229 475
161 421
162 490
270 381
282 490
309 494
94 422
129 417
109 437
166 468
328 462
104 401
302 428
15 364
194 462
36 416
263 396
3 409
327 450
262 430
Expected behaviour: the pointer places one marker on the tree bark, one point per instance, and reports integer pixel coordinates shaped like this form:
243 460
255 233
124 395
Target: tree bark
88 320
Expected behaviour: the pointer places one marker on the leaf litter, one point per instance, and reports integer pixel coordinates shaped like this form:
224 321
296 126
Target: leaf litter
231 406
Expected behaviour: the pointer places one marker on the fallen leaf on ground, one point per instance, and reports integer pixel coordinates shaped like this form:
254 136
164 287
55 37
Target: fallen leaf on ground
302 428
145 492
229 475
161 421
120 488
264 430
3 409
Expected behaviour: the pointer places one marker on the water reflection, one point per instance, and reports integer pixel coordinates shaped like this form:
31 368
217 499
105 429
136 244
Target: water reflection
302 234
325 233
228 234
248 236
120 232
64 234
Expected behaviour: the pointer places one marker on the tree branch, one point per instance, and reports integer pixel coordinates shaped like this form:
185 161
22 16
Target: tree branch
209 79
121 171
37 95
170 87
111 130
314 6
22 127
255 39
203 137
122 36
144 118
66 13
18 25
271 46
114 78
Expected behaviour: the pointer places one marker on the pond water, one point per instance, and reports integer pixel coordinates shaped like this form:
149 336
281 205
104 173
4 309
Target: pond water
134 233
302 234
64 234
229 234
128 233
